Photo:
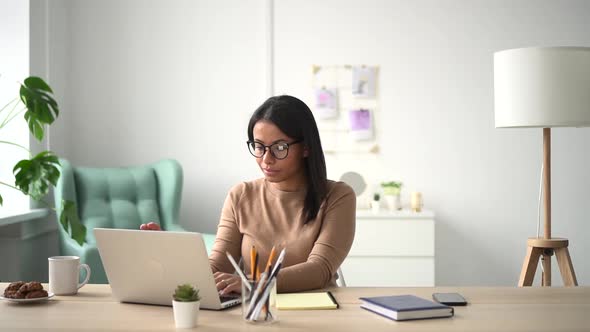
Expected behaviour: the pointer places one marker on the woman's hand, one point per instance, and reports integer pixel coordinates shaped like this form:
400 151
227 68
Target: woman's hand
227 283
150 226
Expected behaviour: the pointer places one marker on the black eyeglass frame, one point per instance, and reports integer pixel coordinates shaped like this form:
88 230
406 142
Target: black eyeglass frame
268 148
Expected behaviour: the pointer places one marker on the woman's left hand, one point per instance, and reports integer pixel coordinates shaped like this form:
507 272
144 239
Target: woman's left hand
151 226
227 283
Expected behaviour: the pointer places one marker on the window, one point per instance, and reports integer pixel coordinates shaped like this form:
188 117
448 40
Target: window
14 68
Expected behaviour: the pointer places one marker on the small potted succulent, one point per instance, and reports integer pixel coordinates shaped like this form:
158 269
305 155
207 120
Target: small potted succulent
186 306
392 191
376 203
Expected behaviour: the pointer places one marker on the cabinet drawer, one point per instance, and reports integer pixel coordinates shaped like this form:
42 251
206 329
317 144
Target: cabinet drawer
386 237
393 271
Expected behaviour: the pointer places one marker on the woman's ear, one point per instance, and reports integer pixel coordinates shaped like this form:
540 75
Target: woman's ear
305 151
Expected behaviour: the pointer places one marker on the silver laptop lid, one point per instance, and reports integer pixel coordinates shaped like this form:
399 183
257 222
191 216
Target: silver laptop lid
146 266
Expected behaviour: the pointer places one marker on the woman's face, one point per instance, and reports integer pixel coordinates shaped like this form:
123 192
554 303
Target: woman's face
286 174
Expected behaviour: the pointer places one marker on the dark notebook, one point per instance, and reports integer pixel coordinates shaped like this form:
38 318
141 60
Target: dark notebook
405 307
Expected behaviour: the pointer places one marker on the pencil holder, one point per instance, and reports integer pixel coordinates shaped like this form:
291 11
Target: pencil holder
259 301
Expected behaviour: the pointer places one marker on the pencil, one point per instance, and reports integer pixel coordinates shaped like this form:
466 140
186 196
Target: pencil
256 268
253 263
271 258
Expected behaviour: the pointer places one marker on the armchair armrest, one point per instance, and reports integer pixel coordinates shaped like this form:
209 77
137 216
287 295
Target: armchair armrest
169 177
174 228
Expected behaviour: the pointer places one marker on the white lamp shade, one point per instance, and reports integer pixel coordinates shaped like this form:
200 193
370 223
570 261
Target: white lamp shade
542 87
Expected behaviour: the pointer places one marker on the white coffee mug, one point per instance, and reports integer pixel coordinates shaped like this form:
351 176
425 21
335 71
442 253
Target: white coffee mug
64 274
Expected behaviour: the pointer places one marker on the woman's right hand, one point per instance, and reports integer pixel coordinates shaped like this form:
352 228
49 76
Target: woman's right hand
227 283
150 226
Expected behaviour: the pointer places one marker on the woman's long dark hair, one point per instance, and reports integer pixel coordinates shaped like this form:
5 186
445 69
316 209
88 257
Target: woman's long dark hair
295 119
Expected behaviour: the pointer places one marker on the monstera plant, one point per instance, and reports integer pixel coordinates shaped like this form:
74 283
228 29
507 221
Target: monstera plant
34 176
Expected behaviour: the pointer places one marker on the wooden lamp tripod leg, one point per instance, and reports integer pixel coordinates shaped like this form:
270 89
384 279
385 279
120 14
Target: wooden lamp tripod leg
565 267
529 267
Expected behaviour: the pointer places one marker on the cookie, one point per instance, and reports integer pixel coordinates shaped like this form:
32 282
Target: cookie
14 286
10 294
36 294
19 295
30 286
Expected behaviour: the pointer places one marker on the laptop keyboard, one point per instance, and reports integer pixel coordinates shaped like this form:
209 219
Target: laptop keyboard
225 298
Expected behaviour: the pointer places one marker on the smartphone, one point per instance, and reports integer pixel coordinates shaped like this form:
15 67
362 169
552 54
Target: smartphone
449 298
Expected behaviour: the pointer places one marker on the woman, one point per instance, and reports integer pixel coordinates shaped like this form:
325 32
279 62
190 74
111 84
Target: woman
293 206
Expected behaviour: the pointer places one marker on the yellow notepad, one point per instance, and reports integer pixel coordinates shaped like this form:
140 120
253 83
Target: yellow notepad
306 301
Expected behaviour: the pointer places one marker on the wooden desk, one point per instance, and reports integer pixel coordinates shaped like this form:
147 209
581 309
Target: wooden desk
490 309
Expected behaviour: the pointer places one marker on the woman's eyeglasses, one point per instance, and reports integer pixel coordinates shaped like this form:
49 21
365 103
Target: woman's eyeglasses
279 150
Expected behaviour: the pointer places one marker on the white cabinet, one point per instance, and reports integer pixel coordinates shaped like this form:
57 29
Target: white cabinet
391 249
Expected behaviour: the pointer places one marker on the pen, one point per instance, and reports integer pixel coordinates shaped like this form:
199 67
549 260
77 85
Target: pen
333 299
279 261
239 271
267 270
255 295
262 300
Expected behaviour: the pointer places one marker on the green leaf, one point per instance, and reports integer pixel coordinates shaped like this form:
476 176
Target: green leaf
41 106
37 83
69 220
33 177
34 126
1 201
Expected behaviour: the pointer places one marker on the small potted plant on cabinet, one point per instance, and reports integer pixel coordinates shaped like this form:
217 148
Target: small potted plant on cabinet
186 306
376 203
392 191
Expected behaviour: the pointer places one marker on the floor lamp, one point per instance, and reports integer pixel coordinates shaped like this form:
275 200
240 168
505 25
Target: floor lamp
543 87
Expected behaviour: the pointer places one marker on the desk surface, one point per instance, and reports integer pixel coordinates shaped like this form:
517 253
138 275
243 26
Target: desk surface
489 309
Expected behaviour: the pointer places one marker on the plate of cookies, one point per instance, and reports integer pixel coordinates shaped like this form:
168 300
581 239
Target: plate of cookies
25 292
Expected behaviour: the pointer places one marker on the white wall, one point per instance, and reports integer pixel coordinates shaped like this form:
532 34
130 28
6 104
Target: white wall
437 131
152 79
146 80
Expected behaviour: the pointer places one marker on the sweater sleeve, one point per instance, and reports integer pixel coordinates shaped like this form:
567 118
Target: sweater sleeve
228 238
330 248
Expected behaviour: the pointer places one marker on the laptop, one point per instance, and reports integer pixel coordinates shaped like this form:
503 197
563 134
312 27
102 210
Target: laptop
146 266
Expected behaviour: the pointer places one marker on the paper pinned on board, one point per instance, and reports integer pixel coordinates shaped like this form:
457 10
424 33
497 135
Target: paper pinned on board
360 121
364 81
326 103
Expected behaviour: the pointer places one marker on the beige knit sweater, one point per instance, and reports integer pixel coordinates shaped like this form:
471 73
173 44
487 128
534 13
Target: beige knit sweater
257 214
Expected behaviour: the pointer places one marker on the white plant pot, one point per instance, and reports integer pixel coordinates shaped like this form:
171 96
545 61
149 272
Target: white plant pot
186 314
393 202
375 206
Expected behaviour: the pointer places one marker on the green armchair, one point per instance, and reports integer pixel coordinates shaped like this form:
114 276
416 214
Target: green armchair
118 198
